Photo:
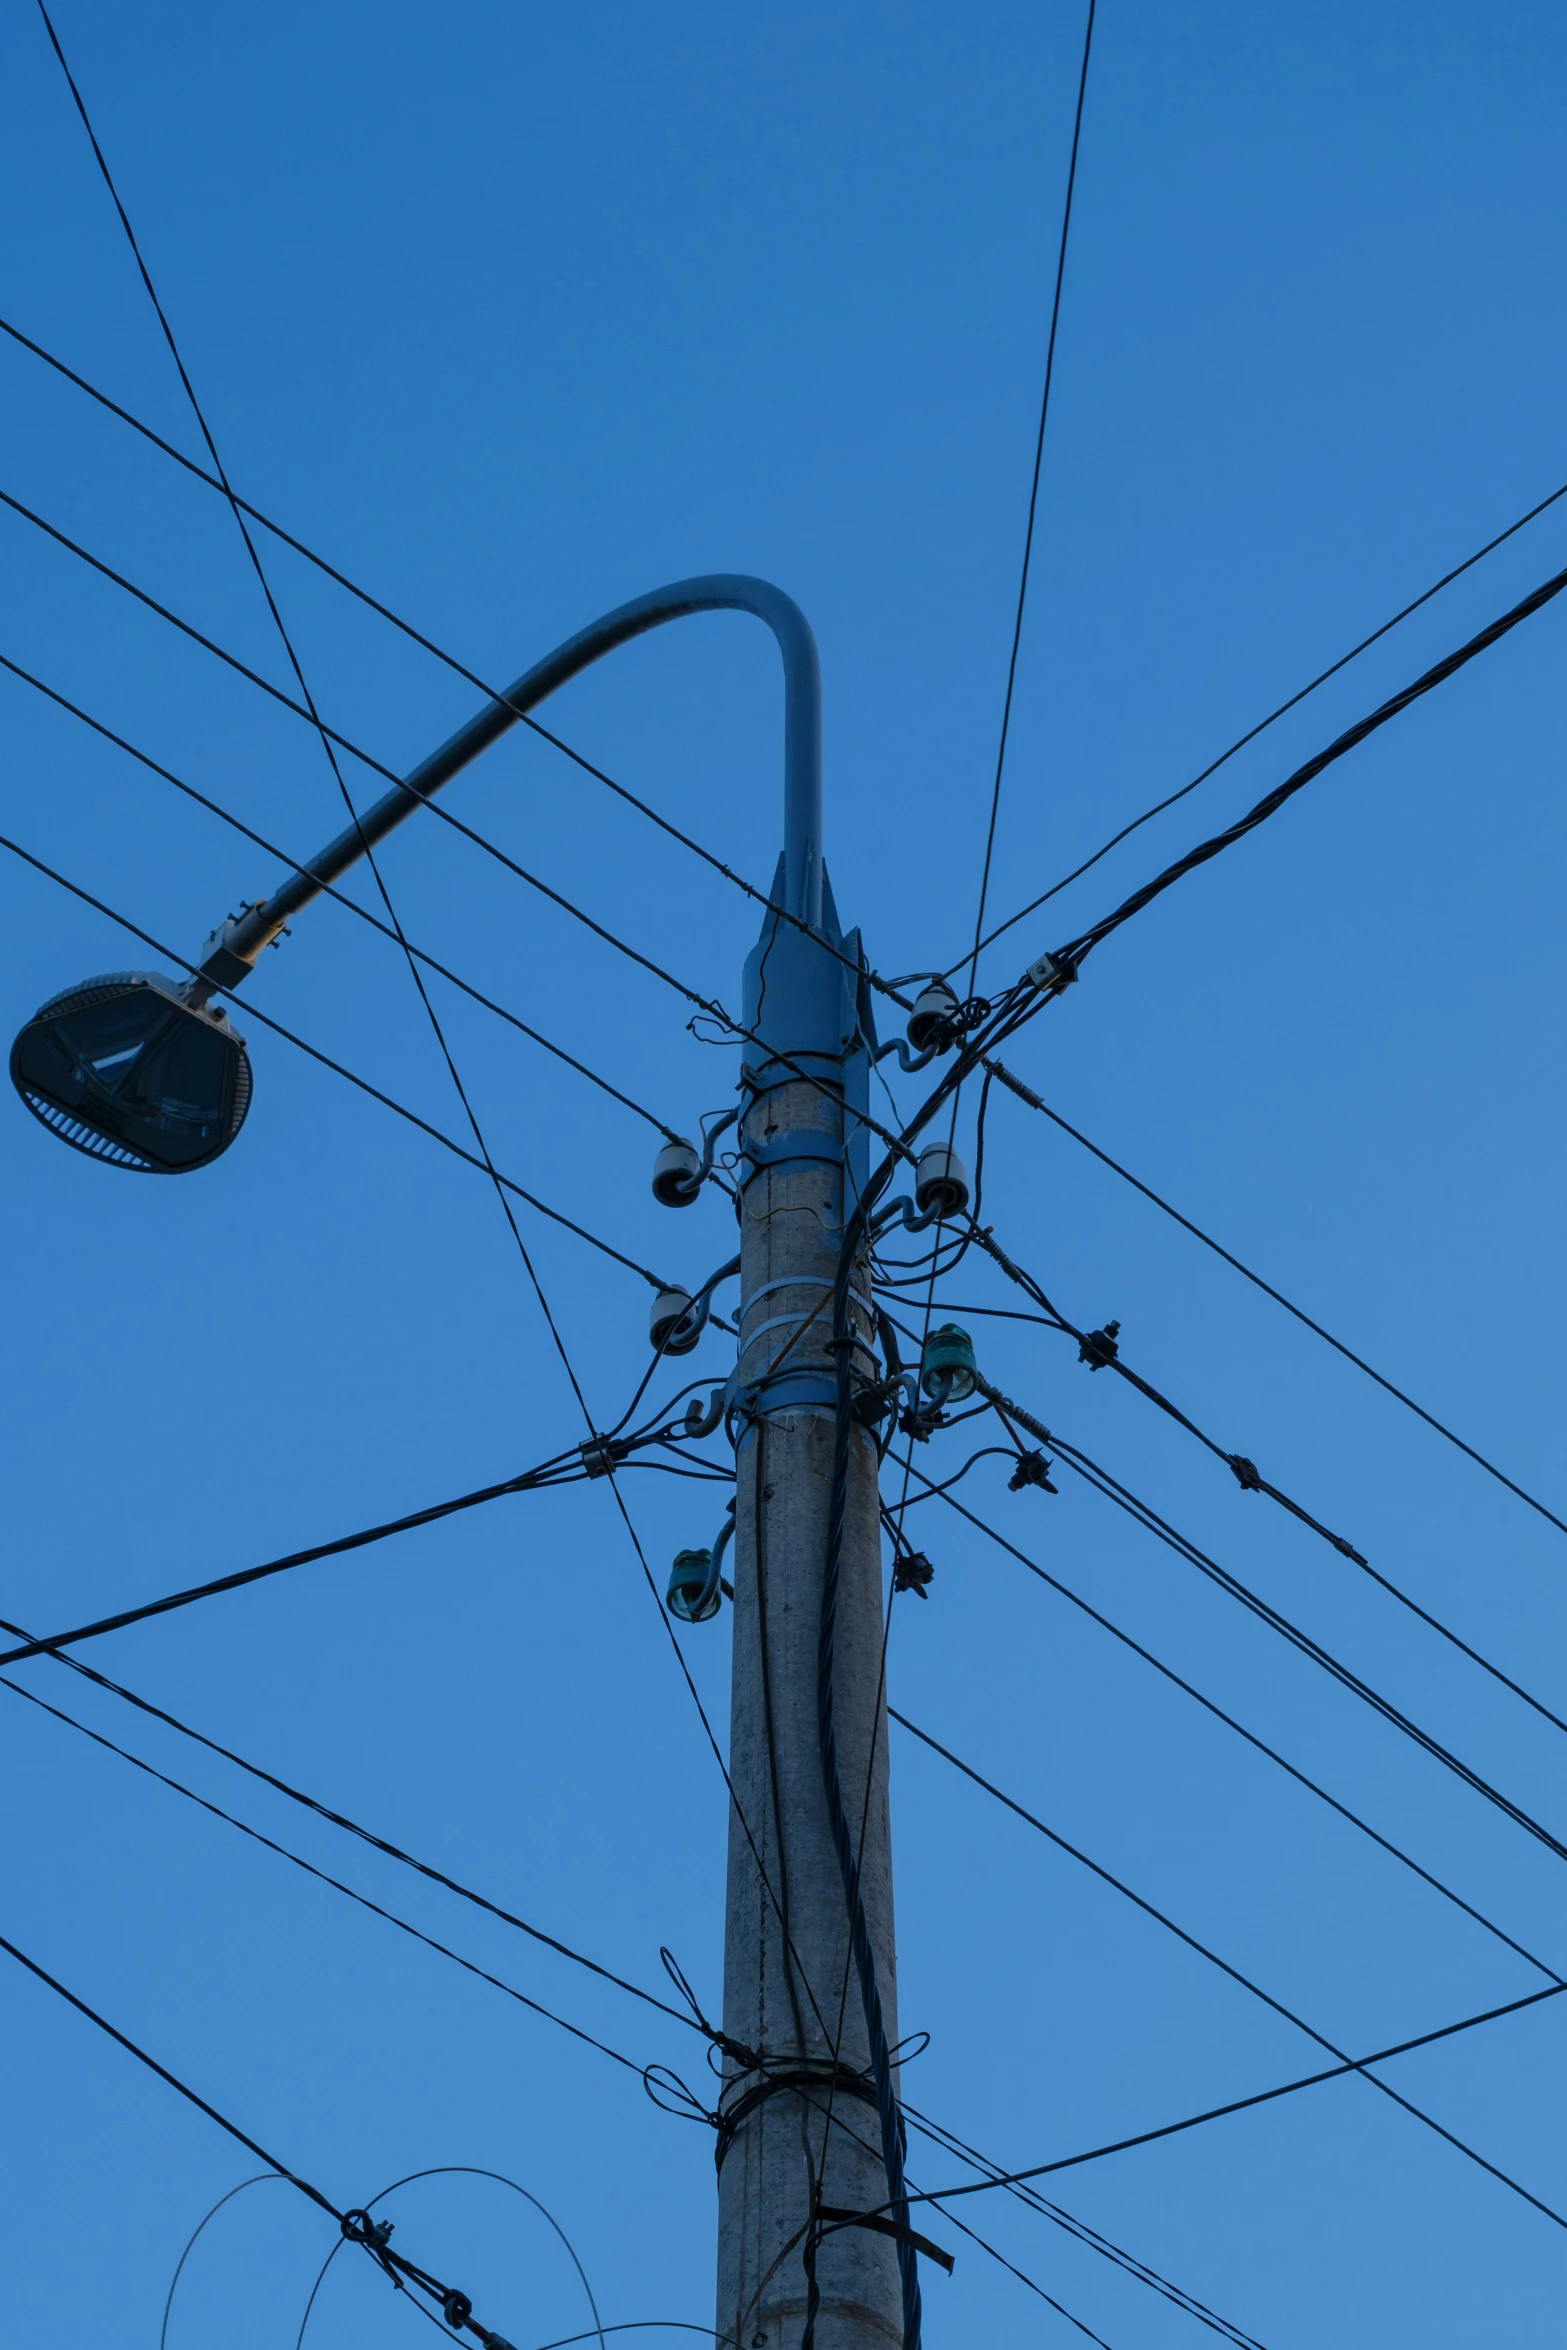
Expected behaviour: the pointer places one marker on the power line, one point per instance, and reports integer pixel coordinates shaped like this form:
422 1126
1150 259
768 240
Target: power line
1026 1094
337 1068
938 2134
1251 733
1072 954
324 1877
1209 1705
1144 1515
1246 1983
1099 1350
1213 2113
449 660
1082 2233
329 889
456 2306
558 1472
1033 494
346 796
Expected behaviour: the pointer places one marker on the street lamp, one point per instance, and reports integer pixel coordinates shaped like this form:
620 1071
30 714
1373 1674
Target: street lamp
144 1072
129 1070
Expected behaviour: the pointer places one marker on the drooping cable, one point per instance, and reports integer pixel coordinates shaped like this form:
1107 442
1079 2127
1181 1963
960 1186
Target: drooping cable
1246 1982
1213 2113
455 2305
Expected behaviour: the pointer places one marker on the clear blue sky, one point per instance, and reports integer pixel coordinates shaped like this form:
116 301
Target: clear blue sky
516 312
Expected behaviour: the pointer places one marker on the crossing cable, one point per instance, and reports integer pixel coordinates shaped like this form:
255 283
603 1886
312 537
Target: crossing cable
1332 2072
329 889
1144 1515
1072 954
1033 494
338 1069
314 714
1251 733
455 2305
1026 1093
449 660
1079 2229
1098 1350
1246 1983
687 2016
363 1900
1209 1705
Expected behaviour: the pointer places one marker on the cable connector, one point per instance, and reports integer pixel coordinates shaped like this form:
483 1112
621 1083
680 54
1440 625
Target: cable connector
1099 1347
1050 973
602 1455
1032 1469
913 1572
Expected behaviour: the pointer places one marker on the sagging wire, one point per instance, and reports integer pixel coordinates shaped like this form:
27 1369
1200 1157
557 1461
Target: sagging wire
357 2228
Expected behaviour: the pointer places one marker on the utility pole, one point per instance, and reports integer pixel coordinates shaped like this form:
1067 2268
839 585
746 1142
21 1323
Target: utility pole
795 2004
799 2007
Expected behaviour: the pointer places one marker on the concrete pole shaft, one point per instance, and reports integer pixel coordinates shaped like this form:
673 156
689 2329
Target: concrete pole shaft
790 2013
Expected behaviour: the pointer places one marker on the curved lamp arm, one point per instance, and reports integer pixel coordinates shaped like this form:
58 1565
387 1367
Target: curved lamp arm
233 949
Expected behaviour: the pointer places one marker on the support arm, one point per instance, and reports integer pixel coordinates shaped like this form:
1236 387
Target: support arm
233 950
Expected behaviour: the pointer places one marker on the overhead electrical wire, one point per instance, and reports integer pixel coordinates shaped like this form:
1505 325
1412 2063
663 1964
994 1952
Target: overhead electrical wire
681 2015
414 972
328 889
253 1012
1251 733
337 1819
324 1876
1026 1094
455 2304
449 660
1210 1705
1033 493
1246 1982
1213 2113
1098 1349
1073 953
1144 1515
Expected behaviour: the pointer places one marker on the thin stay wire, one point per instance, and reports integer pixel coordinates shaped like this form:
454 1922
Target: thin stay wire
1033 495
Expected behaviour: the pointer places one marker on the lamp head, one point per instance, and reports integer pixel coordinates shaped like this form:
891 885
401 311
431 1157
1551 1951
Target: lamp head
123 1068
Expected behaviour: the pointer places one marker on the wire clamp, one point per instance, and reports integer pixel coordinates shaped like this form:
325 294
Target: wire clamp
1247 1474
1033 1469
1098 1347
602 1455
913 1572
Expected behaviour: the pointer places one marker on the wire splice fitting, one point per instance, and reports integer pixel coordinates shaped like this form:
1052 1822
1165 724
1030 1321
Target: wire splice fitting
1247 1474
1033 1469
913 1572
1098 1347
